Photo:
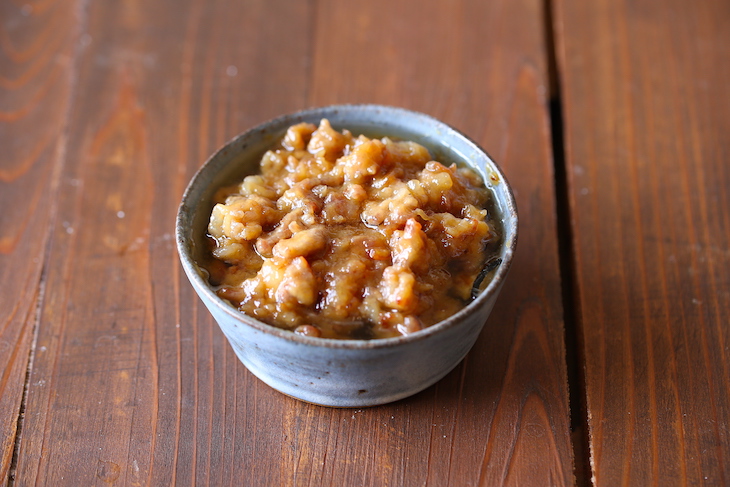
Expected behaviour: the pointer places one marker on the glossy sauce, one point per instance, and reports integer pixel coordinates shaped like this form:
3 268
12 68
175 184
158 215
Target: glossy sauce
350 237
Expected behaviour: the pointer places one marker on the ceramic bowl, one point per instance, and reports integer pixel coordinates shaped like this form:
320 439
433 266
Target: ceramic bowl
331 372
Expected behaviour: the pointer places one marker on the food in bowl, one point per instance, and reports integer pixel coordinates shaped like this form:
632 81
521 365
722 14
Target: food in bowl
345 236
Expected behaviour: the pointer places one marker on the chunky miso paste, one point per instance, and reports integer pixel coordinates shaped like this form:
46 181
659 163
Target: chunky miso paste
349 237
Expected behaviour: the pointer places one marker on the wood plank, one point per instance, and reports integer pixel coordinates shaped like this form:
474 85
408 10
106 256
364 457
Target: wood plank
135 378
502 417
36 58
646 86
137 385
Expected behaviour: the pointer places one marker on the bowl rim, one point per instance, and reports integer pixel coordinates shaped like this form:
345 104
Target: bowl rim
198 282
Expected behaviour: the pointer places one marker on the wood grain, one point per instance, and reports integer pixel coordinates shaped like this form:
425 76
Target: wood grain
646 87
502 416
133 383
36 65
132 376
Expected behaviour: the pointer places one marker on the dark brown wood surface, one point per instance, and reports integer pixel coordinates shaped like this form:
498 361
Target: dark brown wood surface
36 71
130 382
646 90
113 373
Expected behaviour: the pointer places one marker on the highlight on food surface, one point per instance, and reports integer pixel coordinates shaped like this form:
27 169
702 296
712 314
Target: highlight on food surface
344 236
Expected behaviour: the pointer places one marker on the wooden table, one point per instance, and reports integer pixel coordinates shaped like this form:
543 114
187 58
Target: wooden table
607 358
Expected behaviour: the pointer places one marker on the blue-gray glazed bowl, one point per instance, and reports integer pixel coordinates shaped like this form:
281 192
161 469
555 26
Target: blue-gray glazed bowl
331 372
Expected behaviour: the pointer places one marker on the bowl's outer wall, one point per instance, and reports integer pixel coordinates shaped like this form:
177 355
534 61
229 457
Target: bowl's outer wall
345 377
311 370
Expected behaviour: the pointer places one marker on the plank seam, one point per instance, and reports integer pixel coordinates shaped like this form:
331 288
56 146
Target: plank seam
573 337
28 370
82 7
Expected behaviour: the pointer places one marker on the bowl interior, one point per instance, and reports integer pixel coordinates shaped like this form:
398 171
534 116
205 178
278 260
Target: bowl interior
240 157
